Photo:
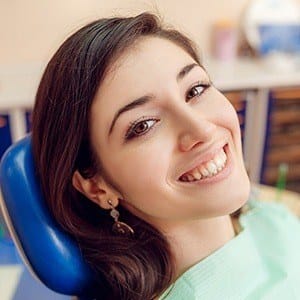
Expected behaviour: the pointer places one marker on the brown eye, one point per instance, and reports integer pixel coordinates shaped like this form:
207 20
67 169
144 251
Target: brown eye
140 128
196 91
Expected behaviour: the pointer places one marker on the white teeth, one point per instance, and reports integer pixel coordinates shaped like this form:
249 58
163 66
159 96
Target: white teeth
204 171
208 169
223 155
211 167
218 161
196 174
190 177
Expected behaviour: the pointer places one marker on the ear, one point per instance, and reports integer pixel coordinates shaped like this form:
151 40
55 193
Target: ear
96 189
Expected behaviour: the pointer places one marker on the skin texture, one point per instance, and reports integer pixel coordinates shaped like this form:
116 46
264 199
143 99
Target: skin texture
177 129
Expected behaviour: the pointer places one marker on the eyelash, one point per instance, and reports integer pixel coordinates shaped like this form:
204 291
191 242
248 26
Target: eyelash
204 87
143 120
133 126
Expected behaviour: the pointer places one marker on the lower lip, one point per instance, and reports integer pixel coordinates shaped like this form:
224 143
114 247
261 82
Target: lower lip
223 174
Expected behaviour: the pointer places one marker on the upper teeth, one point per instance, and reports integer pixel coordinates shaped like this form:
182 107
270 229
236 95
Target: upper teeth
207 169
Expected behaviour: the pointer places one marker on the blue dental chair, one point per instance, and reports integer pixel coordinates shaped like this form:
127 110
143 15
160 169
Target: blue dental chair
50 254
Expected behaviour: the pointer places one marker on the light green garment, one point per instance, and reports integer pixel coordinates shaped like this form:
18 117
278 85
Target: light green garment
261 262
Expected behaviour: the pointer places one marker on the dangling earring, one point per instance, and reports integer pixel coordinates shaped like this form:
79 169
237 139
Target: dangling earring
118 227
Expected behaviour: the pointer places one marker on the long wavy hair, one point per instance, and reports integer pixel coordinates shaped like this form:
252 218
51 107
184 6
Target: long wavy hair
139 267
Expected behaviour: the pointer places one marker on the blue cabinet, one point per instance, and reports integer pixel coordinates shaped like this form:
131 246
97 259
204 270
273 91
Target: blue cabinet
5 129
5 133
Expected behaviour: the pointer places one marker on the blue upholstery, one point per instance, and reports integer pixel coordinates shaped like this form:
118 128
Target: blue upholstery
51 254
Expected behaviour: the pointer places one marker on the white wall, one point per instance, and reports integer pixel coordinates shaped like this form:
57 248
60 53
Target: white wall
31 30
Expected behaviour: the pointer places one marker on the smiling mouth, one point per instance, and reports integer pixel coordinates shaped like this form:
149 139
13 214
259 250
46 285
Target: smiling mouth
208 169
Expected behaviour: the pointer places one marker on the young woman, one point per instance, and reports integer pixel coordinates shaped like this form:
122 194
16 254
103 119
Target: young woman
140 160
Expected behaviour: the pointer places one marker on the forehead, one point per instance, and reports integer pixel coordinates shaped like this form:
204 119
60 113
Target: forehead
145 68
145 57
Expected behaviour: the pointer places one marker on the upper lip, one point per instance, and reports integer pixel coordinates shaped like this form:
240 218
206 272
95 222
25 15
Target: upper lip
203 156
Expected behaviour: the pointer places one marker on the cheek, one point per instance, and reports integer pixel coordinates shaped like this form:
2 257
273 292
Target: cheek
142 170
231 118
226 117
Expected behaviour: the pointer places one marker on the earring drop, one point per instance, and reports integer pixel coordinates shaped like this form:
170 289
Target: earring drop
118 227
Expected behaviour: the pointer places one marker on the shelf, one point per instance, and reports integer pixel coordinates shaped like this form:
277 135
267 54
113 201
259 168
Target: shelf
283 139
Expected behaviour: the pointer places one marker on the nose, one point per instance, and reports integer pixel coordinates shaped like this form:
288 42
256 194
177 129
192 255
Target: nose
195 129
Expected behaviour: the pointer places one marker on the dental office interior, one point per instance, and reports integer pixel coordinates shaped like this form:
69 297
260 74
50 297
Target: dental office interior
250 48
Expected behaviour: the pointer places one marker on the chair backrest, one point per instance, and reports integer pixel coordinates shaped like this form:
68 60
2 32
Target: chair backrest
50 254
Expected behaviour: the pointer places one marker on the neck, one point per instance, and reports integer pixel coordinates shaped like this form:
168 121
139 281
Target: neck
191 242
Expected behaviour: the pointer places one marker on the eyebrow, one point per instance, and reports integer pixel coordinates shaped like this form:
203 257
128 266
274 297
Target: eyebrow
147 98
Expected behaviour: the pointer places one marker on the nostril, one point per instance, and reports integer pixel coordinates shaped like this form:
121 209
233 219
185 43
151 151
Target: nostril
189 142
196 133
197 144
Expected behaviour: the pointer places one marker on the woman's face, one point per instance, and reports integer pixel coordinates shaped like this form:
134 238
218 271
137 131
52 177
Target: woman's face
168 141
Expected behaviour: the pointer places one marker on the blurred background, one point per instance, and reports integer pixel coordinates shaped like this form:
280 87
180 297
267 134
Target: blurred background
251 49
32 30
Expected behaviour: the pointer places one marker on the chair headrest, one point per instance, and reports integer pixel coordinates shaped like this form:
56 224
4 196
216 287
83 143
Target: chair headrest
52 255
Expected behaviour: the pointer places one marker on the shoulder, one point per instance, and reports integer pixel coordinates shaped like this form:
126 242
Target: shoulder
273 227
268 213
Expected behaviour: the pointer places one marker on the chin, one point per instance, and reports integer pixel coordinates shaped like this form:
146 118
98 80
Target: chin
233 195
240 195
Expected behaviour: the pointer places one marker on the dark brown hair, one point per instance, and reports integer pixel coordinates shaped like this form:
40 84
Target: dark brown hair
140 267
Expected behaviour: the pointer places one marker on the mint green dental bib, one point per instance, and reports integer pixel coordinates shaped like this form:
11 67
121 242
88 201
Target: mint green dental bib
261 262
